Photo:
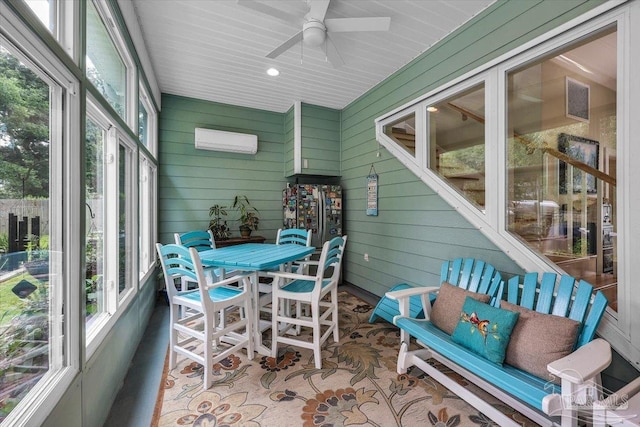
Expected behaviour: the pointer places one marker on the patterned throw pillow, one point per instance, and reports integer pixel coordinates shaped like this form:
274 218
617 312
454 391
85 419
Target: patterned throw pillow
484 329
445 312
539 339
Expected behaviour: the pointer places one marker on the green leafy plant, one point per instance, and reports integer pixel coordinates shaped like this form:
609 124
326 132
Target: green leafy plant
249 219
217 224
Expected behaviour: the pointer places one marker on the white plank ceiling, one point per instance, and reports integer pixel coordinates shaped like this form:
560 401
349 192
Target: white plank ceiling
216 49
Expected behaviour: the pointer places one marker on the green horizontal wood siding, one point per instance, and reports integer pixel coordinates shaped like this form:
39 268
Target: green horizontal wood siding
190 180
320 140
416 229
289 142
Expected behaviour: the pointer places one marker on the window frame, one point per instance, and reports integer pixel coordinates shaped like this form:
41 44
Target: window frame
130 101
152 120
64 219
115 302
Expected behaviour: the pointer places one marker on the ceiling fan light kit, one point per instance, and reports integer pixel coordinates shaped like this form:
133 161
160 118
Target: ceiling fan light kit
315 28
313 33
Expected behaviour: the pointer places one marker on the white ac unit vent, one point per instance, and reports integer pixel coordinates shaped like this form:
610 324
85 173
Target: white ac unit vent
231 142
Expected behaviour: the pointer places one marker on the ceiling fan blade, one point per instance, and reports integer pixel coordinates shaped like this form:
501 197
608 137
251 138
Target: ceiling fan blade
268 10
317 9
340 25
332 53
285 46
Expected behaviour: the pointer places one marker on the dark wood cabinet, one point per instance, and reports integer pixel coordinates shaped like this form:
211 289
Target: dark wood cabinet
238 241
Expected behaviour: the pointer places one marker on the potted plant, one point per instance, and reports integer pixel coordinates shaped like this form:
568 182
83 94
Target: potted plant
217 224
249 219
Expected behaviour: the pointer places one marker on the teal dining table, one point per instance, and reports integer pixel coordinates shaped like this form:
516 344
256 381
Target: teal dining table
255 257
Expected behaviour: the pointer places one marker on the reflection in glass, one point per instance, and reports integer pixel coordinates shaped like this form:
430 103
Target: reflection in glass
105 67
403 131
456 142
94 214
27 290
143 124
561 159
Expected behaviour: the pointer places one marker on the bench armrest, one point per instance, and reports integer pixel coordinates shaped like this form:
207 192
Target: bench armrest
584 363
402 296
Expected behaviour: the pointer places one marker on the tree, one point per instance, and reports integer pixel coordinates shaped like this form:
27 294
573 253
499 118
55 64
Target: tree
24 130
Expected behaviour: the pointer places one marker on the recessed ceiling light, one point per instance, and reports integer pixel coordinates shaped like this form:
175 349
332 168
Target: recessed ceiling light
273 72
432 109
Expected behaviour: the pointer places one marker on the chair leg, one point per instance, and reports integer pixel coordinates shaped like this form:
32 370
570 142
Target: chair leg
317 351
334 314
173 334
249 328
274 324
209 328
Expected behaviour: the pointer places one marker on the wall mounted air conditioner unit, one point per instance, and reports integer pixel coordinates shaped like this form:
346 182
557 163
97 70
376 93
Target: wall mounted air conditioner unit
231 142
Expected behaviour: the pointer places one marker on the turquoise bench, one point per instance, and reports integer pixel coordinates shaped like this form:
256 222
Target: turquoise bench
470 274
542 401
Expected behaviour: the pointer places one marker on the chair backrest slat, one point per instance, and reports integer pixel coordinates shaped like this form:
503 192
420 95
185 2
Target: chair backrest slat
296 236
201 240
331 257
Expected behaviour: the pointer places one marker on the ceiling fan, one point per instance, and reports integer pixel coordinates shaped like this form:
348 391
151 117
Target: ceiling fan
316 29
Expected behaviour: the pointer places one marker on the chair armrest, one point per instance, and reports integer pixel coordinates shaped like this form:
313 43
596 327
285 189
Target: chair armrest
403 295
287 275
237 276
584 363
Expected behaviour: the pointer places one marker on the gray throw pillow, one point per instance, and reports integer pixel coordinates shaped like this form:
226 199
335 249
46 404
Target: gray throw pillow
539 339
446 310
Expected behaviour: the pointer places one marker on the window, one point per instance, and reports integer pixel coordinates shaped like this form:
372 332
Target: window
110 232
403 132
108 67
147 119
561 159
147 216
95 290
34 344
45 11
456 142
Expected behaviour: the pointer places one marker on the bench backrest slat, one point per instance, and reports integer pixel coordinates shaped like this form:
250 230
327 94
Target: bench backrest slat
581 300
487 279
545 296
598 307
478 271
453 271
570 298
563 296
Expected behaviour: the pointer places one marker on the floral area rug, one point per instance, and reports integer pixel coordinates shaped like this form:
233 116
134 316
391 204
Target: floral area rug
357 386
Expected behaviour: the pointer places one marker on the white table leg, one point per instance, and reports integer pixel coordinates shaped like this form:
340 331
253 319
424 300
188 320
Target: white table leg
259 347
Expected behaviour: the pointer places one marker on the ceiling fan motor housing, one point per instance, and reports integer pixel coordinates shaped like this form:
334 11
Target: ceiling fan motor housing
313 33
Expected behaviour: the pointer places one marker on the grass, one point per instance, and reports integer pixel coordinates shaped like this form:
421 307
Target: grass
10 304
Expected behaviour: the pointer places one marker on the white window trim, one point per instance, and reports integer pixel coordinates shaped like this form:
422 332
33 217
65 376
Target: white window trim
131 103
42 399
115 302
621 329
152 120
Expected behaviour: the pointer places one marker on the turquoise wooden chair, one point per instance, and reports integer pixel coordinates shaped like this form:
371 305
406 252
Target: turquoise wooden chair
467 273
286 236
311 290
195 314
202 241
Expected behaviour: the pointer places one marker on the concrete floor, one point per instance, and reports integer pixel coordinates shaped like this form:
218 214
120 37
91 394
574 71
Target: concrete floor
136 400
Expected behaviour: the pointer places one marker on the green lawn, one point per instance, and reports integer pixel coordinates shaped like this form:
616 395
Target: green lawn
10 304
